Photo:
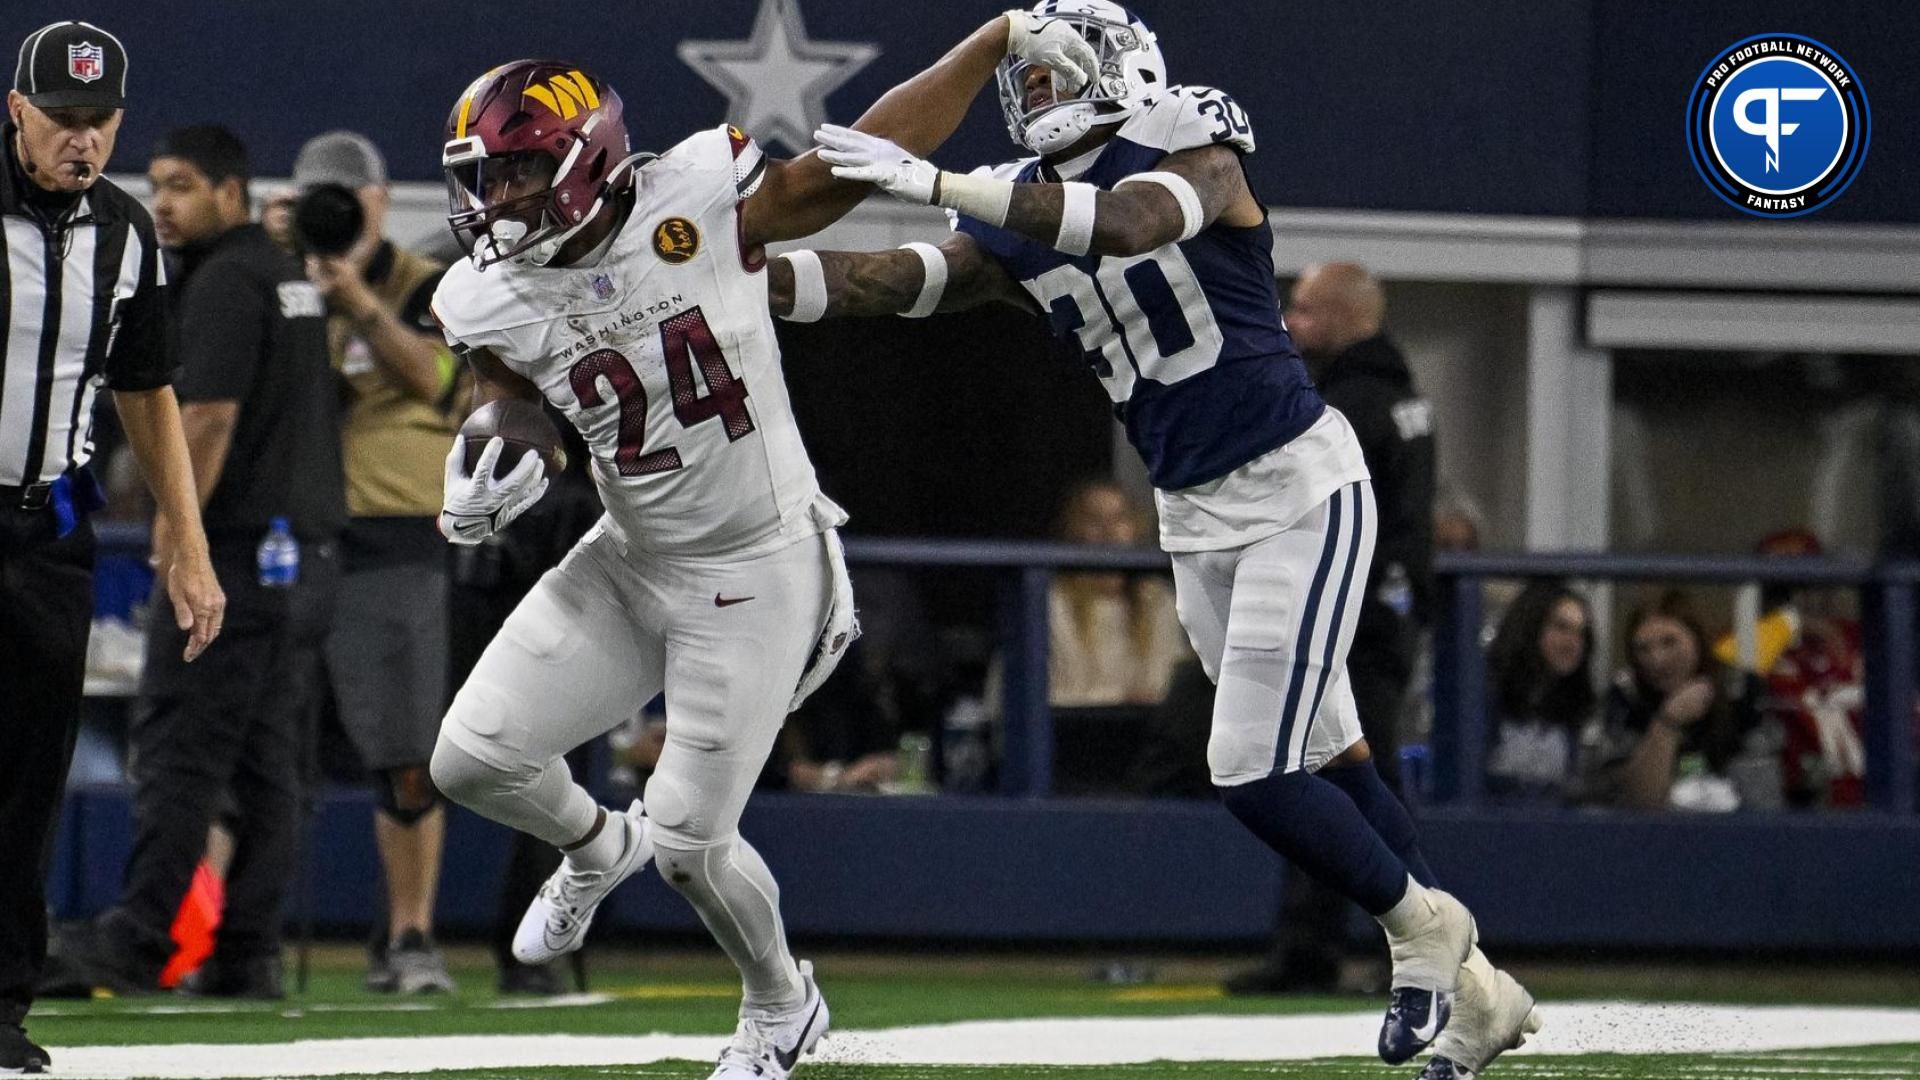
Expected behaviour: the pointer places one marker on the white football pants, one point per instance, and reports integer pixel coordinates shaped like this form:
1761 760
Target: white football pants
1272 622
596 639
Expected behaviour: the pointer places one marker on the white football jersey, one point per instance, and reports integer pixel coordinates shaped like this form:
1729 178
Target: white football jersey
663 356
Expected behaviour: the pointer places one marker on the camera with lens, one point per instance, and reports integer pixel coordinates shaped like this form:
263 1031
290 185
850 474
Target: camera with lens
328 220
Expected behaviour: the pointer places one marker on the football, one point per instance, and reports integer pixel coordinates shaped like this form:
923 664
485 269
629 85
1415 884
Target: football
523 425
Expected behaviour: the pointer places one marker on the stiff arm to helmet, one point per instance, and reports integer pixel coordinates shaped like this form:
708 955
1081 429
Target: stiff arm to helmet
1126 61
1187 191
801 196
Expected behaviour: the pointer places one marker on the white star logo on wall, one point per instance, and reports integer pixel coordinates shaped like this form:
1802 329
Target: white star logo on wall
777 81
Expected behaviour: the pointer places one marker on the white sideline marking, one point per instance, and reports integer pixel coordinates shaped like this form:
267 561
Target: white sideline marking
1571 1028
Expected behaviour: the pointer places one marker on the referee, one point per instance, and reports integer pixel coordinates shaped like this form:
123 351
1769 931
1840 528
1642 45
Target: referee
80 308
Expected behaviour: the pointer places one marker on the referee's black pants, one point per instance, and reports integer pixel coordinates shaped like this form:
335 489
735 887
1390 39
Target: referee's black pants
228 729
46 609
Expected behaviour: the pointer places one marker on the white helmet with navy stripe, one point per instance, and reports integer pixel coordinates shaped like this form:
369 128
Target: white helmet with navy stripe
1131 68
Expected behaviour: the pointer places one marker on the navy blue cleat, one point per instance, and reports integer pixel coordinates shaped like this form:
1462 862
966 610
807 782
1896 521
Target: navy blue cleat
1429 936
1414 1019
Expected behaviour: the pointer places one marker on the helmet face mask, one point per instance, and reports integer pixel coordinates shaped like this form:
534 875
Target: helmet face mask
1131 67
532 150
499 206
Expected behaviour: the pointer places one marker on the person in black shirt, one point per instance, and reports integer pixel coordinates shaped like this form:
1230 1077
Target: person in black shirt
1334 315
94 244
261 414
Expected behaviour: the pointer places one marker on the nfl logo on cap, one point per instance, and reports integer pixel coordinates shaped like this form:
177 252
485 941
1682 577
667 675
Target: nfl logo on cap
86 61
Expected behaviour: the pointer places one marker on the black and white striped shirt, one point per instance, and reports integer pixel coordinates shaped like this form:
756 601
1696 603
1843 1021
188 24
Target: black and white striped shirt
80 308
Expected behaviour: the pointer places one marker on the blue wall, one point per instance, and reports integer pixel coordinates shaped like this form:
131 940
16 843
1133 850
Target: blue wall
1570 107
988 869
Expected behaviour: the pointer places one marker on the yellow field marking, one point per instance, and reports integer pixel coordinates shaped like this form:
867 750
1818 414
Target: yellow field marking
1170 993
675 991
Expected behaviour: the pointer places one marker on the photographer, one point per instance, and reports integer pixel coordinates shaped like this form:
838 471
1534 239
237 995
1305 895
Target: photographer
387 660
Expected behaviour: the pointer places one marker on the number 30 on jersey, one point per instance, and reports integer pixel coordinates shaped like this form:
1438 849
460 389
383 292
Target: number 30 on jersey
1139 318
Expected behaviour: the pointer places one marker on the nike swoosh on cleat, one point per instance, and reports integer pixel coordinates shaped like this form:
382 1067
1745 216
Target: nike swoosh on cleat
788 1058
1428 1030
729 601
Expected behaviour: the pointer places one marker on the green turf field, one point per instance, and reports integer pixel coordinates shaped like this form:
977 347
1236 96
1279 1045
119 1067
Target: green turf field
691 994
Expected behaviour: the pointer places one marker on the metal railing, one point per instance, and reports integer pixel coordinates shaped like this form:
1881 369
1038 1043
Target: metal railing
1887 604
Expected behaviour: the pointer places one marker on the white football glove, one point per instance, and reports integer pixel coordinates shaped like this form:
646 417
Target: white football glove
476 505
870 159
1055 45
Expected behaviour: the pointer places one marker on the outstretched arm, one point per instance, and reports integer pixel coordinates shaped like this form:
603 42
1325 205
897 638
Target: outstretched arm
891 282
1187 192
801 196
1138 216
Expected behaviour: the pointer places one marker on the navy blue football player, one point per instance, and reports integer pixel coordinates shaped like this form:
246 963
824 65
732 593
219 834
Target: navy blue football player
1136 231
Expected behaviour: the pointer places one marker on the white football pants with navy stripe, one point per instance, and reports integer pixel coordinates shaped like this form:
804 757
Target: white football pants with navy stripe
1272 622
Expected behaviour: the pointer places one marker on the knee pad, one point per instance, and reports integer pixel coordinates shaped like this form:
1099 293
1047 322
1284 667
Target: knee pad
670 815
405 794
467 779
1244 743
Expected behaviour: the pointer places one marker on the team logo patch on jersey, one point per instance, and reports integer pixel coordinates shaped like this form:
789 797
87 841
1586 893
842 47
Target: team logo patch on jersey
676 240
1778 125
87 62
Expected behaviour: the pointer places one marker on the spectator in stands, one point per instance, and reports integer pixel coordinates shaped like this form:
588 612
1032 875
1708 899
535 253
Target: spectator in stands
1456 522
1809 653
1116 637
1675 720
388 661
846 737
1541 694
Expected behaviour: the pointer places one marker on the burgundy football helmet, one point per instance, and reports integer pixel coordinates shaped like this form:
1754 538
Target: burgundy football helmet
533 148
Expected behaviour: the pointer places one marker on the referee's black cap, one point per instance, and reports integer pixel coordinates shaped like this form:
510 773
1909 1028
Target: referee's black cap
67 65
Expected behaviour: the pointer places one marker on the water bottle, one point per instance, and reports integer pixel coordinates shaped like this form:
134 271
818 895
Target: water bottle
965 753
1396 591
279 556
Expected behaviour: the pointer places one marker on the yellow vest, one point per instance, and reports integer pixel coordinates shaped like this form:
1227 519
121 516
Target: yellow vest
394 444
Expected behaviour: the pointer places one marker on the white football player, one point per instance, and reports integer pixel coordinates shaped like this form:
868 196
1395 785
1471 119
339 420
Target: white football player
626 290
1135 229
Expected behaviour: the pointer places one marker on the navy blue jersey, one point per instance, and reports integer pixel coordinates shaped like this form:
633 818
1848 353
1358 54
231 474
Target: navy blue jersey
1187 339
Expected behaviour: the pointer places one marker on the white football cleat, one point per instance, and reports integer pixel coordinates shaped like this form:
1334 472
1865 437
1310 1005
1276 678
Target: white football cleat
556 922
1426 970
1492 1014
768 1046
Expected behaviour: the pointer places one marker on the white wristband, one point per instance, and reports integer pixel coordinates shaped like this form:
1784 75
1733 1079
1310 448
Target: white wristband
981 197
1076 218
933 284
1192 214
809 287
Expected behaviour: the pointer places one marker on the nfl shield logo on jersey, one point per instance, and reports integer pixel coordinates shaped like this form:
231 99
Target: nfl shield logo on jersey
86 61
603 286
